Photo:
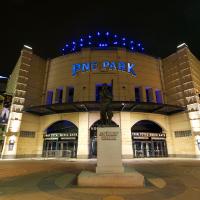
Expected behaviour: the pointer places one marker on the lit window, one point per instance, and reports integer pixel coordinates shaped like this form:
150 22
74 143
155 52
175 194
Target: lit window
70 94
98 90
137 94
158 96
49 97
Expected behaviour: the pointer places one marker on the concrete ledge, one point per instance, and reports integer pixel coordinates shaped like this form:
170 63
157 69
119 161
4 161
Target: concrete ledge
109 169
8 156
127 156
82 156
183 156
127 179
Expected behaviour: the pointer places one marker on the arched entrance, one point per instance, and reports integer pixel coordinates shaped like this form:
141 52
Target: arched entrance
61 140
93 138
148 140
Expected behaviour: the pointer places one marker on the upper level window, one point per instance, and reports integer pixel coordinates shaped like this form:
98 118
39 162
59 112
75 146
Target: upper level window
49 97
158 96
59 94
70 94
98 90
149 94
137 94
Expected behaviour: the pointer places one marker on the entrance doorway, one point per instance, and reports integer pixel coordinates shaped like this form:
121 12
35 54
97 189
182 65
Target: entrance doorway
61 140
93 138
153 148
148 140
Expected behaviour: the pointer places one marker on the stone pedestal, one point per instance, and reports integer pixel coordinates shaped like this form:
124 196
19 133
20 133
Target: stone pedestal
123 180
109 148
109 170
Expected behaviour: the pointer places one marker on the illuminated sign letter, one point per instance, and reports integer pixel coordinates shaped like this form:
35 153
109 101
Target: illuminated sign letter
105 64
112 66
93 66
85 67
130 69
75 69
121 66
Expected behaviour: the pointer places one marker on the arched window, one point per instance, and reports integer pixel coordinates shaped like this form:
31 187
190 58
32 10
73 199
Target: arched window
148 139
61 140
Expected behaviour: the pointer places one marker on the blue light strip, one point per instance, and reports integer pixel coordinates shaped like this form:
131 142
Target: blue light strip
102 40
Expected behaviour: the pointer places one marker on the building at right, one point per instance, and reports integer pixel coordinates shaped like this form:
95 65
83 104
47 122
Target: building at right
181 76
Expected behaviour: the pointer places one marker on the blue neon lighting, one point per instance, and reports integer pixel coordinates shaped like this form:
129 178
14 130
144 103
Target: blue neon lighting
102 40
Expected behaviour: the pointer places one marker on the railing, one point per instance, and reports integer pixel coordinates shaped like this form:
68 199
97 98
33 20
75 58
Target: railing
58 153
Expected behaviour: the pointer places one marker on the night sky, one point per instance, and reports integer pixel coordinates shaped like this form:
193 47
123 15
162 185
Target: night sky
48 25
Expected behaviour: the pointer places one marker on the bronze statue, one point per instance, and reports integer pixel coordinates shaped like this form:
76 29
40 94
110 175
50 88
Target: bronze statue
105 110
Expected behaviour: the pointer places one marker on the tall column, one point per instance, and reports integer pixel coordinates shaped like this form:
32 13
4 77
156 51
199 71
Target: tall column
83 135
64 100
127 150
133 94
154 95
54 96
143 94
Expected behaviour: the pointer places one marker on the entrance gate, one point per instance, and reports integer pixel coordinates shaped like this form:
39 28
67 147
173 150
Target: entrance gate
148 140
61 140
142 148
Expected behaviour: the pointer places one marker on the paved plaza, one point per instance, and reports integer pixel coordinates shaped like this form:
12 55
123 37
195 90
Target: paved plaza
56 179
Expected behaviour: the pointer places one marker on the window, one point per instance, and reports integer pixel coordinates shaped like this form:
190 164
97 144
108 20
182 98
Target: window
29 134
70 94
137 94
158 96
186 133
49 97
11 145
149 95
98 90
59 94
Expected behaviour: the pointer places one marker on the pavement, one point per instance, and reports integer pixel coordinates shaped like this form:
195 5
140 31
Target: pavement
55 179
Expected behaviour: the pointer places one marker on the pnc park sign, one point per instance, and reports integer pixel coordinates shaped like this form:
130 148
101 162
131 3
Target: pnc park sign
111 65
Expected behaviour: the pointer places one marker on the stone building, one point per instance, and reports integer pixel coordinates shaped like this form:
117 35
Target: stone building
55 108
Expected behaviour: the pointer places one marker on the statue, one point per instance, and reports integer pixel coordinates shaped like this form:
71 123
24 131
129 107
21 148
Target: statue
105 99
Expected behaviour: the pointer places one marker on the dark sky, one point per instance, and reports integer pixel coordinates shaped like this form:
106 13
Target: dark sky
48 25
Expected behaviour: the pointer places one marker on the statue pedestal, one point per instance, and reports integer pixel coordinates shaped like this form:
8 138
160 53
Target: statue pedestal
109 158
109 170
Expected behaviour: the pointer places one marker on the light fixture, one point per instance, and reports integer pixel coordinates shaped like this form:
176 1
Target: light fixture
182 45
28 47
3 77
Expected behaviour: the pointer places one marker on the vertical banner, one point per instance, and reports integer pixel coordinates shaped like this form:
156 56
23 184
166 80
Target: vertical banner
5 104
